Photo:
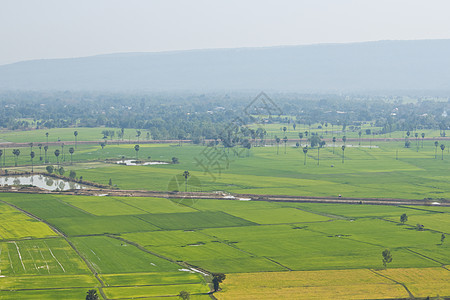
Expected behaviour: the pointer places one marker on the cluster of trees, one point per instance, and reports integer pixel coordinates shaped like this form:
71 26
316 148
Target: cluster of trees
43 159
200 116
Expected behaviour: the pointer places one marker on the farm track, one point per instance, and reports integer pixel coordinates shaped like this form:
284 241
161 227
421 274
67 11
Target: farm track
129 142
411 296
226 196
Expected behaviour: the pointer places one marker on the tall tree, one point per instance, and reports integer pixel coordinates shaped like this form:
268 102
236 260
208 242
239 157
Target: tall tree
277 139
40 151
136 148
186 176
1 153
305 150
300 135
334 143
359 134
138 134
417 141
403 218
344 139
423 136
92 295
102 145
343 153
442 149
217 279
436 144
45 153
16 153
318 155
71 151
57 152
184 295
46 135
75 133
285 139
32 157
387 257
442 238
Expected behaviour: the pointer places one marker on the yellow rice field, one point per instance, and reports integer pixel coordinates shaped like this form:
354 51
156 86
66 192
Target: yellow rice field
337 284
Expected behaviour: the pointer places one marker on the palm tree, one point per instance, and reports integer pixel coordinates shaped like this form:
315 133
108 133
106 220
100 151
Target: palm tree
40 152
284 129
344 139
442 148
136 148
436 144
57 155
138 134
32 156
75 133
71 151
343 153
31 146
45 152
62 152
285 139
305 150
186 175
92 295
277 139
359 133
46 134
300 135
423 136
318 154
334 143
417 140
16 153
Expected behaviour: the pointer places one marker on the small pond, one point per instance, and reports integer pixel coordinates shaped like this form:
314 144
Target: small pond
40 181
132 162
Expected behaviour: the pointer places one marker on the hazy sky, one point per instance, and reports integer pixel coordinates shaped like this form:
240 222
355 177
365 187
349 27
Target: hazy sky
32 29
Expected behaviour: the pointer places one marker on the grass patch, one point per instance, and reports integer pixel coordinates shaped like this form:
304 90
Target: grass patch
101 225
194 220
40 257
17 225
108 255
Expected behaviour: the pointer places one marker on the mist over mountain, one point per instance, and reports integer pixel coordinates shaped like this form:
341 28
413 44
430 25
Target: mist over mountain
357 67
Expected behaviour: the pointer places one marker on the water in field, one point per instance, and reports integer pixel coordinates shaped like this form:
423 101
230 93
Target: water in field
40 181
132 162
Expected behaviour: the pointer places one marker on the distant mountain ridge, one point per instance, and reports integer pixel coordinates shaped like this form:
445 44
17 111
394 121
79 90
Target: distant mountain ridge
357 67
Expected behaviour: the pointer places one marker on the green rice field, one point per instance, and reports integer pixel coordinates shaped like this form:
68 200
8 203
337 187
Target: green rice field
56 245
149 247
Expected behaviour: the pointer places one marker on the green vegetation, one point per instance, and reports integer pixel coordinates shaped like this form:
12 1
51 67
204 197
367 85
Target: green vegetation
367 172
145 247
131 247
